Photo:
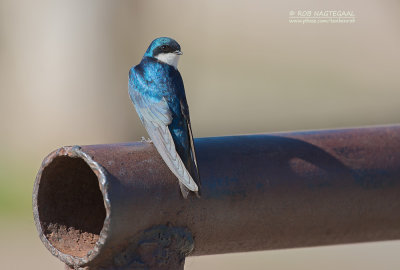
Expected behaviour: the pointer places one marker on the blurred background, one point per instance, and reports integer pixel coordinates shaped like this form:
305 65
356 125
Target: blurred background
63 81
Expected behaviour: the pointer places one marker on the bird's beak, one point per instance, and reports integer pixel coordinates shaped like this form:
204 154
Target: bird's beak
178 52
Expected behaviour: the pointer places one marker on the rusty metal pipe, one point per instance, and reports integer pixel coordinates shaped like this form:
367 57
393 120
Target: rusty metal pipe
112 206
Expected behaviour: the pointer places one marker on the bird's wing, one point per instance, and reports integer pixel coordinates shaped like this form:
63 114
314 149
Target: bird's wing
156 117
185 113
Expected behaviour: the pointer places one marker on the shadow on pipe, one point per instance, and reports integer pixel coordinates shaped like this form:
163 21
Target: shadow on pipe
119 207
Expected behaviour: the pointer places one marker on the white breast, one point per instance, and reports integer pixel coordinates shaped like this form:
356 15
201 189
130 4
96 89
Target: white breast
169 58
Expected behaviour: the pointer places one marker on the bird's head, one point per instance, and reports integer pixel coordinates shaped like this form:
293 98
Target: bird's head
165 50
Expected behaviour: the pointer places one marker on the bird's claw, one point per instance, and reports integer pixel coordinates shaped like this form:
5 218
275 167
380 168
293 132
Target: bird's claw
148 140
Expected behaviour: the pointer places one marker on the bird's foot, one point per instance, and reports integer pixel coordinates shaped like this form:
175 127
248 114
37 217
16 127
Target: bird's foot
148 140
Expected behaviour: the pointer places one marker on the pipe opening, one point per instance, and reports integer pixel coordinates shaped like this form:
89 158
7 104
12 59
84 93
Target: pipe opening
70 205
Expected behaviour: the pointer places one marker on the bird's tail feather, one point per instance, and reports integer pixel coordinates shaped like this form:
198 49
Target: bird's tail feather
194 172
184 190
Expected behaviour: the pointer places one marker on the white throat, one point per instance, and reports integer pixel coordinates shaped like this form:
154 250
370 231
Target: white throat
169 58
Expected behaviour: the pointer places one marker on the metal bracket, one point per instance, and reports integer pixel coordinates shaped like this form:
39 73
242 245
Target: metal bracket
160 247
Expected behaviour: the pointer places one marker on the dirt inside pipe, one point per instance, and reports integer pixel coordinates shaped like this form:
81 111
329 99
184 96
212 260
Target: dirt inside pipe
70 205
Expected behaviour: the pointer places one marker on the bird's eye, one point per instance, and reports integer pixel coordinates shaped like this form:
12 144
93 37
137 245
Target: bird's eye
164 47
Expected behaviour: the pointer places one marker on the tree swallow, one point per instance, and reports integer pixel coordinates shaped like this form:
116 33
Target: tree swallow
156 89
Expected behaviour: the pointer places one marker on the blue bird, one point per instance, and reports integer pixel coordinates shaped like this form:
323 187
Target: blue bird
156 89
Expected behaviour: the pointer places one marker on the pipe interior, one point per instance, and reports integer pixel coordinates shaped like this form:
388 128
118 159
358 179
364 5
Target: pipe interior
70 205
